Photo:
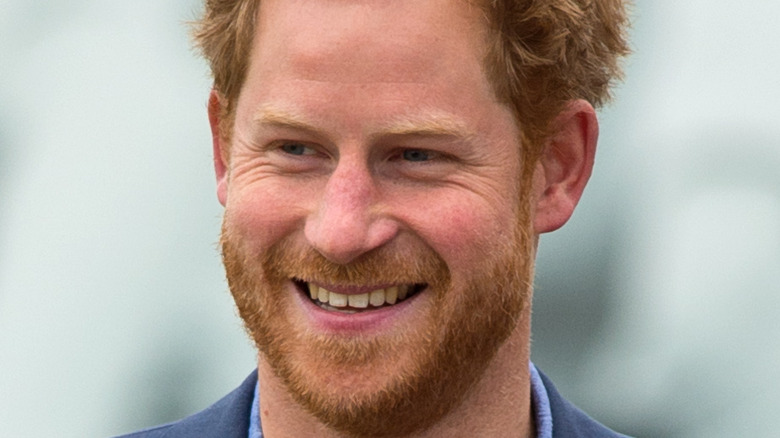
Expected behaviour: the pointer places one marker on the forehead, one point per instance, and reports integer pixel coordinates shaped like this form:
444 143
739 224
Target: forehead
354 67
370 41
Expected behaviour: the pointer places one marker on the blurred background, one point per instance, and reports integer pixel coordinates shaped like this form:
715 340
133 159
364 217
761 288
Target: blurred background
655 307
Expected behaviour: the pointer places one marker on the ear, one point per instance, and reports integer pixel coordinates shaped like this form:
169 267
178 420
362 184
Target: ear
565 165
220 166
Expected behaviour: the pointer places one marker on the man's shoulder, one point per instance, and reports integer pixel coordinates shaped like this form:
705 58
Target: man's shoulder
228 418
569 421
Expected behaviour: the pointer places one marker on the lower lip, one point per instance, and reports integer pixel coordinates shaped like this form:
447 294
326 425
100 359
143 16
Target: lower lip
364 322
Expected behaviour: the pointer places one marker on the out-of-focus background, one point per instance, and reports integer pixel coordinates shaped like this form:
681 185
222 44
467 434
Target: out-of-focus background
656 306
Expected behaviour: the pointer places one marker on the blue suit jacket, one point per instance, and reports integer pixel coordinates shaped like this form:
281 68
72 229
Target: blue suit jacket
229 418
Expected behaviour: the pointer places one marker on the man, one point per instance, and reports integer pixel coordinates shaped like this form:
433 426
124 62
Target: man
386 168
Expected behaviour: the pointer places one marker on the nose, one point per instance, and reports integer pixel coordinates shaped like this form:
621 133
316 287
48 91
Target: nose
349 219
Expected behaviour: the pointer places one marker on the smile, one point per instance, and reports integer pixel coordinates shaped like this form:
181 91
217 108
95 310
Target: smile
357 302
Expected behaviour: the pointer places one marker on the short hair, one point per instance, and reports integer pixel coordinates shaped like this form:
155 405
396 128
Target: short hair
541 55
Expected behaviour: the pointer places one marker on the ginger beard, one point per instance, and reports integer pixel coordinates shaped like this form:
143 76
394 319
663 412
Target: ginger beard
387 385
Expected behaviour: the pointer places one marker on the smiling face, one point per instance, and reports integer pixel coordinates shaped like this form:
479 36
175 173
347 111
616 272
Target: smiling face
377 232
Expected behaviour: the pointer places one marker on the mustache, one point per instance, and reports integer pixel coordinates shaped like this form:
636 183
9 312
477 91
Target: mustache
418 264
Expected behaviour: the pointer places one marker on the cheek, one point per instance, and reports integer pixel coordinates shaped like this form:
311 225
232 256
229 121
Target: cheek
465 235
262 214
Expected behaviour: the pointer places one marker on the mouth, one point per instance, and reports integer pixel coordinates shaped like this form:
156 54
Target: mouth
357 299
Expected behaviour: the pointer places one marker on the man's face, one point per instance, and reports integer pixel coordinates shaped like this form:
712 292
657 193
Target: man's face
371 160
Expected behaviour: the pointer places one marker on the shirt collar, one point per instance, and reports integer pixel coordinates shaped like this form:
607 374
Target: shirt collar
540 403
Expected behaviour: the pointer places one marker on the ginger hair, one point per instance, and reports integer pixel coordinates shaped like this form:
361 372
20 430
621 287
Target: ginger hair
541 54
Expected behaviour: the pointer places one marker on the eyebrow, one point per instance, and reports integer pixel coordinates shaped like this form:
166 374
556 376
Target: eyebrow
427 124
279 118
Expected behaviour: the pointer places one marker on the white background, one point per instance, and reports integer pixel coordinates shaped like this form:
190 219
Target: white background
655 307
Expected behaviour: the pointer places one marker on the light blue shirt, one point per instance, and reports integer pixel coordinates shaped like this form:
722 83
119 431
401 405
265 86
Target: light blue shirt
539 401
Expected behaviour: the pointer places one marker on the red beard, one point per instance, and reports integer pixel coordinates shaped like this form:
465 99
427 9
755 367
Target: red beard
393 384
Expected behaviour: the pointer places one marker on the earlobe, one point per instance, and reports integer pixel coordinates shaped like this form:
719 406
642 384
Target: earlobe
565 165
220 163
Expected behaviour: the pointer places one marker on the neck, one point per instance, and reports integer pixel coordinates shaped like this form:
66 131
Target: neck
499 404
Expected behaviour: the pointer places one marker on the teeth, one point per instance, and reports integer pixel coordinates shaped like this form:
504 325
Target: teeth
323 295
402 292
391 294
337 300
313 292
376 298
358 301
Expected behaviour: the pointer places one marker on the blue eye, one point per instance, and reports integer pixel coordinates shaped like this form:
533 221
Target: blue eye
296 149
416 155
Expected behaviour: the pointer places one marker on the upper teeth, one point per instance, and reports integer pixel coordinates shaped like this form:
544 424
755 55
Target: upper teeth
375 298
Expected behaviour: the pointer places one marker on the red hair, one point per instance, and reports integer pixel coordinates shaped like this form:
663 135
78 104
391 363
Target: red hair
542 54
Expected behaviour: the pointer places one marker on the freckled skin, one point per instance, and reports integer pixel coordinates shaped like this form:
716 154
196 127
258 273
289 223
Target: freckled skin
369 128
350 81
350 190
